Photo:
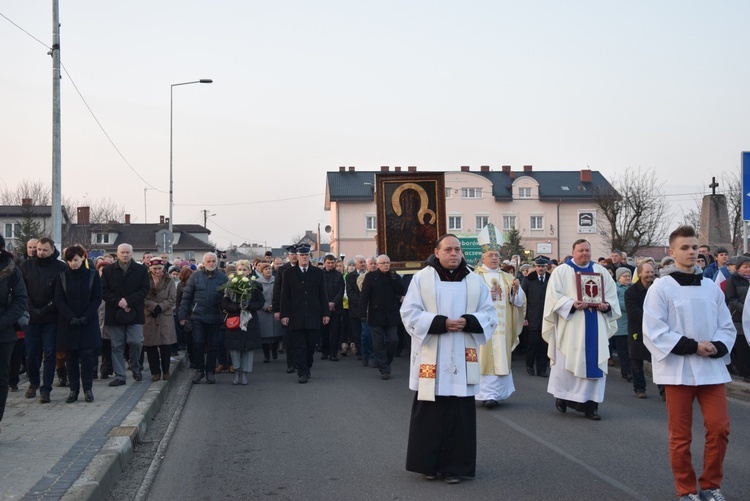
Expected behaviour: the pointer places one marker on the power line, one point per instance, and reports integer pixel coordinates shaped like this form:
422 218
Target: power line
88 108
213 221
251 203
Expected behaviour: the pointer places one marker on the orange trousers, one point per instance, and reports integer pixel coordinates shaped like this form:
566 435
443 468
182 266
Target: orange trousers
713 403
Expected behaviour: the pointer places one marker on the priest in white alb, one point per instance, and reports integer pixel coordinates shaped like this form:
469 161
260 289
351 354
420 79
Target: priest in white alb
496 381
580 314
448 313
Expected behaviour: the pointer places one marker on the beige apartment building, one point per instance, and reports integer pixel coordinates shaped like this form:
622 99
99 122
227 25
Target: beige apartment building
551 209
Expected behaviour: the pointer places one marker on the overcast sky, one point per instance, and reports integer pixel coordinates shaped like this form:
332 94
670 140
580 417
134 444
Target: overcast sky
303 87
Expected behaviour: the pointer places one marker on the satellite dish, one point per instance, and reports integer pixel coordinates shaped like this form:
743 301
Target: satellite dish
328 228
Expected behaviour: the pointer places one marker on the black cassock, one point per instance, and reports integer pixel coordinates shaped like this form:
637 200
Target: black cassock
443 436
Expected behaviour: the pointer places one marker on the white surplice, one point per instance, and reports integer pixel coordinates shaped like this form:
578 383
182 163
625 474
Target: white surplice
451 356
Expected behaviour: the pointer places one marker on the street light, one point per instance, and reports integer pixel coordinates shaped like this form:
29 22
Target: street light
171 108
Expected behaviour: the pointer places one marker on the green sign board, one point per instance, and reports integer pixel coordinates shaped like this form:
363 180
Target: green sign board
472 251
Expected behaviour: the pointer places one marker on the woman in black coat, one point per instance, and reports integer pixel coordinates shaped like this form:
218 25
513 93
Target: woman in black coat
242 343
77 297
635 295
736 290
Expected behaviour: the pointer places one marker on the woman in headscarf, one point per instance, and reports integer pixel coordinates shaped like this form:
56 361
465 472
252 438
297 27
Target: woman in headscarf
159 331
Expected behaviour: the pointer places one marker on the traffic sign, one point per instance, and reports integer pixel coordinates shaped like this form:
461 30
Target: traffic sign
746 185
164 239
471 249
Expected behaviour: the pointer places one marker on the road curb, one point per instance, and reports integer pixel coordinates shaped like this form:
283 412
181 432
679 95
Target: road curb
99 477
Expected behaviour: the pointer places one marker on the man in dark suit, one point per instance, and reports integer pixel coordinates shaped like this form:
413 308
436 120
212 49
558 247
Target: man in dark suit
330 334
382 292
291 253
535 288
303 309
353 292
125 285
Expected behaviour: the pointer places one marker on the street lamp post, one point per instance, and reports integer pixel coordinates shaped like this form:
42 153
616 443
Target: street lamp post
171 183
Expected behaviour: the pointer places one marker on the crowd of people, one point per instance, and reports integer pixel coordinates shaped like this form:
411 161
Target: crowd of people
81 318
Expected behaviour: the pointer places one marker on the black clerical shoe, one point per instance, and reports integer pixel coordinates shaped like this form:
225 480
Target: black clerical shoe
450 478
594 416
542 374
560 405
303 379
530 371
491 404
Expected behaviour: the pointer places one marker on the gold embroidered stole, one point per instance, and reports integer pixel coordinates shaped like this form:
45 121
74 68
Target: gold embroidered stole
429 349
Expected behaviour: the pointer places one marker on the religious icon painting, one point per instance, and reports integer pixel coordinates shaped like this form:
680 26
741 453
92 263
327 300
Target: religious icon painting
411 215
590 287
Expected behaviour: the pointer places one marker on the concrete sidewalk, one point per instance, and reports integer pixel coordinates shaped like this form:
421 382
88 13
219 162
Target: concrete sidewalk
74 451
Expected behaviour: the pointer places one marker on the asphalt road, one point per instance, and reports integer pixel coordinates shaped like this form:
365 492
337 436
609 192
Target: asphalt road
342 436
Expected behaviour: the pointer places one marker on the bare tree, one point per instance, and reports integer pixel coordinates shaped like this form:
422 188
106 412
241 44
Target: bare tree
39 193
106 211
733 182
635 210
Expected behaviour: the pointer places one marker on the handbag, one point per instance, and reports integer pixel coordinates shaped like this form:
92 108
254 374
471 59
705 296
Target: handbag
232 322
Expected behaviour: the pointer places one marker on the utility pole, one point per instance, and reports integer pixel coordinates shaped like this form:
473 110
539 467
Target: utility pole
205 216
56 164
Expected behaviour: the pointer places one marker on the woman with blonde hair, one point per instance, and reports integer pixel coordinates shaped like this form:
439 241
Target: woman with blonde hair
242 341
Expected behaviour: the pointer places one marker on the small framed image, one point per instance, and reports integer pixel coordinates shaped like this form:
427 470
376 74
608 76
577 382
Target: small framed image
590 288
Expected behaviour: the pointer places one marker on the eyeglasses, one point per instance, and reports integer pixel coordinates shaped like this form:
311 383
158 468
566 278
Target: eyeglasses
387 262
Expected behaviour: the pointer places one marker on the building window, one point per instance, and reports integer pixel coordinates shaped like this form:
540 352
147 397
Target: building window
482 221
455 223
10 230
102 238
536 223
448 193
371 224
509 223
524 192
471 192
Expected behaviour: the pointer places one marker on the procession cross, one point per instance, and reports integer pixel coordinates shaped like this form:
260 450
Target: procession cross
713 185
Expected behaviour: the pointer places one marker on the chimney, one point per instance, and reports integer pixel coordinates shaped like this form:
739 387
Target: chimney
26 202
127 217
527 168
465 168
585 175
506 168
83 215
342 168
166 220
512 174
412 168
384 168
351 169
397 169
161 219
484 168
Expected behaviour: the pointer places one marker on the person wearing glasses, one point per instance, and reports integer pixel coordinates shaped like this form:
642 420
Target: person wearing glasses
379 303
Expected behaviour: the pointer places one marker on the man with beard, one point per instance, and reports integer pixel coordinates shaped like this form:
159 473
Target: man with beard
448 313
41 274
578 333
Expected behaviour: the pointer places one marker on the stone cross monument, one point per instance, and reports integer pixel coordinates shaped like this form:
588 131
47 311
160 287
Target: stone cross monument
714 230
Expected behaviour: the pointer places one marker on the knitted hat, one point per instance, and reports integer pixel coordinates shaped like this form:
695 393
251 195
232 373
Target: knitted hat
621 271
